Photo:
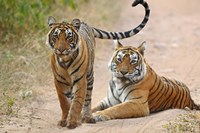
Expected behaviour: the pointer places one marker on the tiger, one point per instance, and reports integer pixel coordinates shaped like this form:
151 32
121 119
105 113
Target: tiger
72 59
136 90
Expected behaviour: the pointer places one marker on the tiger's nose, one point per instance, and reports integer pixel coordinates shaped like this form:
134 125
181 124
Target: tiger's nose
61 51
124 72
61 48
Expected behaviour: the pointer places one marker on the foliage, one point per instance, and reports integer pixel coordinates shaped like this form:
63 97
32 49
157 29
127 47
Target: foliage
8 105
19 16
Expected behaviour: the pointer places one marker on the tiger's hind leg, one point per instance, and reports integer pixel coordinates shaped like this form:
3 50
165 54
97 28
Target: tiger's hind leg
86 111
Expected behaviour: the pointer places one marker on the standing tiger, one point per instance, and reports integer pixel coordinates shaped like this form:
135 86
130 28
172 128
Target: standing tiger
72 62
136 90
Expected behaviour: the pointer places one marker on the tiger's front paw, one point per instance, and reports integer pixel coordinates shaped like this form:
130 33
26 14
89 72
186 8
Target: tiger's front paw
72 125
62 123
88 119
98 116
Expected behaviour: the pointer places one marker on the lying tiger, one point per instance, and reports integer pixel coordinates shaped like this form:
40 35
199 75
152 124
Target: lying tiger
136 90
72 62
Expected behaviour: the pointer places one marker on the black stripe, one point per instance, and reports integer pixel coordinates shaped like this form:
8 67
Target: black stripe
177 97
129 93
136 98
77 69
90 78
109 102
88 100
181 99
127 34
78 102
100 35
89 88
90 83
116 35
145 101
68 95
154 83
60 63
121 34
159 91
62 82
59 75
168 98
155 88
163 93
159 107
160 98
123 88
135 31
78 79
112 34
113 92
107 34
79 58
75 54
78 97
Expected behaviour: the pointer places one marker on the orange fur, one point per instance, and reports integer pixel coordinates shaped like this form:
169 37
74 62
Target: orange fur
72 66
72 62
136 90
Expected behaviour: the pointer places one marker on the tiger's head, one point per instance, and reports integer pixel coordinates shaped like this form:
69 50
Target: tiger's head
63 38
128 62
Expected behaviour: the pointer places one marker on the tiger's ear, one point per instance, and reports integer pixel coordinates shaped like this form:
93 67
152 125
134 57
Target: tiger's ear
117 44
142 47
76 23
51 20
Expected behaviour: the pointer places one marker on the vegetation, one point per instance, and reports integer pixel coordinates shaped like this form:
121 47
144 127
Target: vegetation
24 57
188 122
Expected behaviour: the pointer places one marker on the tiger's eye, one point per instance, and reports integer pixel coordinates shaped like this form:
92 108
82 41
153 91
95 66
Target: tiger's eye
134 58
56 32
119 59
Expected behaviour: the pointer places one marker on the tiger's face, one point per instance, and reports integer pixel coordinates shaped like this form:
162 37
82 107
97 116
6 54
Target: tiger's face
63 38
128 62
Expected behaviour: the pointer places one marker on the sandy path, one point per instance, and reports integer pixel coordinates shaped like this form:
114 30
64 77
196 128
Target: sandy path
172 35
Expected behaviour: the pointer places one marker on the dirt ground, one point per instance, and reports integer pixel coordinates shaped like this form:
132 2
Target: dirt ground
173 38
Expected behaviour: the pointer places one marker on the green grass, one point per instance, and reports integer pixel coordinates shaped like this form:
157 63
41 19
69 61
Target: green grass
24 56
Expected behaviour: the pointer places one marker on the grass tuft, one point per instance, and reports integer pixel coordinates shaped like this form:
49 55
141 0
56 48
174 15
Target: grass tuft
189 122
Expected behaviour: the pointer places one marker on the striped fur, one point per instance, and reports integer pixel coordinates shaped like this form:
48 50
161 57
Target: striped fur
72 60
136 90
98 33
72 65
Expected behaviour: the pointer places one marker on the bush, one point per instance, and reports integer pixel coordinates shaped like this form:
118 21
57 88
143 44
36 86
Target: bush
19 16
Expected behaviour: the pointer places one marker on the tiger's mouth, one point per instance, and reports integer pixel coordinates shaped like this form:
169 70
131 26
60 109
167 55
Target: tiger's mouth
69 54
63 53
138 73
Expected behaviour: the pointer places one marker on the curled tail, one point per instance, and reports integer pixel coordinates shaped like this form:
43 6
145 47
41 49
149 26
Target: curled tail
121 35
195 106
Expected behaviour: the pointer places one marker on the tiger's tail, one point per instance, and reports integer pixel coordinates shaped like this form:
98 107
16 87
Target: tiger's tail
195 106
121 35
